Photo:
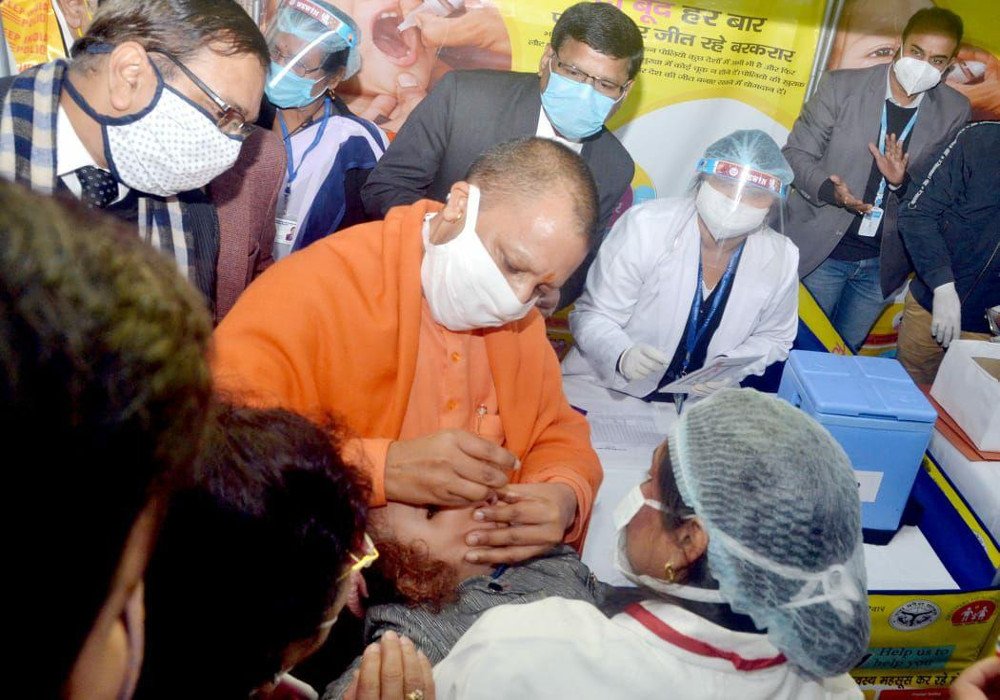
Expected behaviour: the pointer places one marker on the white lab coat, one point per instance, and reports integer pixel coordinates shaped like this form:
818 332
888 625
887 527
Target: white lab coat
558 648
640 289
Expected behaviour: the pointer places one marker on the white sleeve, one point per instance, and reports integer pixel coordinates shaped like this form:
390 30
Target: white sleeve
778 324
510 651
612 291
842 687
477 668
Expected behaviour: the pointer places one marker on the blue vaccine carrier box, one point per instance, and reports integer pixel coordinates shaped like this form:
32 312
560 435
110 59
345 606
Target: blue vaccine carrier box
878 415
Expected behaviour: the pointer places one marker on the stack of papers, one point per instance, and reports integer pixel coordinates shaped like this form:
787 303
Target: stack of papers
622 431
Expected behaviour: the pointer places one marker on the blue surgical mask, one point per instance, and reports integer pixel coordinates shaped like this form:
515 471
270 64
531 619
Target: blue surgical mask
291 90
575 109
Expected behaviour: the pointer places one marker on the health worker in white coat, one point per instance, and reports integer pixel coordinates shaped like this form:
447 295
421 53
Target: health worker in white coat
745 545
682 282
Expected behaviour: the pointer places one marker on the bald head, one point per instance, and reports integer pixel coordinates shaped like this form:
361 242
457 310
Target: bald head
524 170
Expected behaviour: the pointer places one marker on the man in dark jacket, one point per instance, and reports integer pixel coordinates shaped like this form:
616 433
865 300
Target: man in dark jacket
584 76
951 228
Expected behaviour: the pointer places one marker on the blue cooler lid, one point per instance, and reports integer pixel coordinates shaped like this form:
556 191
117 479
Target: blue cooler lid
860 386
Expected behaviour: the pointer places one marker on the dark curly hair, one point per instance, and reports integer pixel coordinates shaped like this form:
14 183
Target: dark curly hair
104 387
249 557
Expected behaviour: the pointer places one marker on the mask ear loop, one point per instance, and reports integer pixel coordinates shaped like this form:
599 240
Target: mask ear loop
472 207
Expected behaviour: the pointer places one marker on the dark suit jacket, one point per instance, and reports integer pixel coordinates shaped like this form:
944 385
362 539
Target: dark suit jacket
831 137
466 113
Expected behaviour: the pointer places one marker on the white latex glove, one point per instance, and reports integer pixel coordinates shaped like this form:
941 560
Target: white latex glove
947 321
641 360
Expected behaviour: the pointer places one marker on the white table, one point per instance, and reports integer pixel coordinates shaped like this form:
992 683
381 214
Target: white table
906 563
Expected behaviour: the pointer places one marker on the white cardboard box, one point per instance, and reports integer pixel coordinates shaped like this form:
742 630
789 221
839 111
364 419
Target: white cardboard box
969 394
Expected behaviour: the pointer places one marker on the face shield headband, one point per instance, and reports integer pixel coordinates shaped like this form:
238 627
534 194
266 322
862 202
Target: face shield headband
333 23
743 175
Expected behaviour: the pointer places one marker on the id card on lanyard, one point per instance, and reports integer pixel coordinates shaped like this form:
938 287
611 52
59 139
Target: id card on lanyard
873 219
286 225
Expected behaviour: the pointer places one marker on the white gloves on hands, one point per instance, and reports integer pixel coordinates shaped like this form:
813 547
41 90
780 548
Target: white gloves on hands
947 320
640 361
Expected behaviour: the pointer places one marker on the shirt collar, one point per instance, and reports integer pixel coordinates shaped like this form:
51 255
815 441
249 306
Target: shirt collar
71 154
545 130
889 96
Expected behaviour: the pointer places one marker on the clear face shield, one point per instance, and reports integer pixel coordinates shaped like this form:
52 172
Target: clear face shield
302 36
734 201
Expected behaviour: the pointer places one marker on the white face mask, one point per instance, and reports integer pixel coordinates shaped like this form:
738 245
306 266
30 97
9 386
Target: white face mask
171 146
624 512
463 286
724 217
174 147
914 75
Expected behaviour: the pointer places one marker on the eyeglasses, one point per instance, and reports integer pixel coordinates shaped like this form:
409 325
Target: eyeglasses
281 58
606 87
230 120
363 560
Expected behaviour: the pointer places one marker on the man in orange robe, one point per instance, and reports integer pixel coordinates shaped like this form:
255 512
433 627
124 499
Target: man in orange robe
437 361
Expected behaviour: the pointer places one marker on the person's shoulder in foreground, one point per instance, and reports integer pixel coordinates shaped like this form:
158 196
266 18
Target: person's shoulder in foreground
103 348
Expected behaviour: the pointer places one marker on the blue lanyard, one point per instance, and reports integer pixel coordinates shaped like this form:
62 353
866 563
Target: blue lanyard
881 145
694 331
293 170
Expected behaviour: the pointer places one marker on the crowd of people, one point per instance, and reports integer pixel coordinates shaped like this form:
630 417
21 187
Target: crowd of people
286 371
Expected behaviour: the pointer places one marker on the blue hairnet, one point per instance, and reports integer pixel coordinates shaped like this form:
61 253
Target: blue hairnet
754 149
291 21
779 501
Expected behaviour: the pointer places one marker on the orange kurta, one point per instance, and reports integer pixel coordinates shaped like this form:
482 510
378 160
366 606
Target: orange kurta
336 329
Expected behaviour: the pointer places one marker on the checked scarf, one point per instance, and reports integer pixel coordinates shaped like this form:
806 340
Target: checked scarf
28 156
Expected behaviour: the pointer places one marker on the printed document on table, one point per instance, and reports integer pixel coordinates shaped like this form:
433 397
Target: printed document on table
725 369
618 431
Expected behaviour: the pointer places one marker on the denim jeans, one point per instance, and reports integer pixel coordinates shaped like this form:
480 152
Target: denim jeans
850 294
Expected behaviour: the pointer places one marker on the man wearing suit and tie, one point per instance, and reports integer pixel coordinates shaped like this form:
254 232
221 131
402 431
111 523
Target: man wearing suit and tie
851 150
584 76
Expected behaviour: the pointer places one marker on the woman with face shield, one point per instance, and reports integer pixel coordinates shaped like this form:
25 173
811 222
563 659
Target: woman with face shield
314 47
745 545
680 283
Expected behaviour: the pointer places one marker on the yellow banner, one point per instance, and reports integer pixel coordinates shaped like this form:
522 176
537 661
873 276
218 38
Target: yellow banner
709 68
32 32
